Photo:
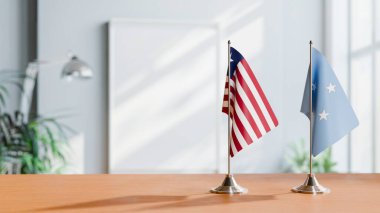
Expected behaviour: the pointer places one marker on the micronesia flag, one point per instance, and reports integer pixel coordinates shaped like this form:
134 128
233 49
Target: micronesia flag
333 116
250 112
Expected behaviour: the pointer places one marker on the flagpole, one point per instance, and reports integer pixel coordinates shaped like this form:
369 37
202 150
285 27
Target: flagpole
311 185
229 185
311 111
229 110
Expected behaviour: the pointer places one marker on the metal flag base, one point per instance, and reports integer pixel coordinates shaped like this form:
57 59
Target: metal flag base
229 186
311 186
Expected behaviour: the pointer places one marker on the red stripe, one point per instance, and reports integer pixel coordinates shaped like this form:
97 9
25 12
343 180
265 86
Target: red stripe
231 153
253 101
225 100
235 141
226 84
242 130
232 90
232 110
233 80
225 110
225 97
260 91
248 115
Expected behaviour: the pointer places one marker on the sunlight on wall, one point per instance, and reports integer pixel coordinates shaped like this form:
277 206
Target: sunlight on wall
186 44
237 12
361 22
271 34
167 85
253 45
155 128
353 38
362 135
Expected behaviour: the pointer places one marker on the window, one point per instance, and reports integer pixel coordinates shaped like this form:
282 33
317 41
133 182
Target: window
353 45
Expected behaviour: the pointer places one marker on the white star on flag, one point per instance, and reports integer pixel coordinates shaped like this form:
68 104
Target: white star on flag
334 116
313 87
331 88
323 115
231 60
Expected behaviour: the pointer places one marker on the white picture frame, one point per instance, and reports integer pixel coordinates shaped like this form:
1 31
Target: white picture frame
161 117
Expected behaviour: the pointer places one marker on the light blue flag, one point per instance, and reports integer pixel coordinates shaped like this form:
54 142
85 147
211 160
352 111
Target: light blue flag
333 116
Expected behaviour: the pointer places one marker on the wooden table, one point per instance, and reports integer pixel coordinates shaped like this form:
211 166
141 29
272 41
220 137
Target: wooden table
185 193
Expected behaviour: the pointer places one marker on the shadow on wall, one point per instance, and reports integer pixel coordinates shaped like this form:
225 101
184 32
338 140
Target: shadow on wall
164 115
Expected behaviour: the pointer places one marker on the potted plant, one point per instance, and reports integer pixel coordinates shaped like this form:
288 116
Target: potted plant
29 146
298 160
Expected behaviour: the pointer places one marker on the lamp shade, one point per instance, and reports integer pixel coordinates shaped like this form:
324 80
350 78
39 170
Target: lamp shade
76 68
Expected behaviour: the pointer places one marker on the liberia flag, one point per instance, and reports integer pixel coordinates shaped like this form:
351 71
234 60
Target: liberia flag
250 112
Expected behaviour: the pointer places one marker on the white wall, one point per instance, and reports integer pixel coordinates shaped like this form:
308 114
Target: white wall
272 34
13 41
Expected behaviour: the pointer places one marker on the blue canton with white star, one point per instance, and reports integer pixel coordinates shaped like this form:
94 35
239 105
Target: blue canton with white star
235 58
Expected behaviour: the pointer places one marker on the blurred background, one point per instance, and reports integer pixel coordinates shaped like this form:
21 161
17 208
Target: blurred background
135 86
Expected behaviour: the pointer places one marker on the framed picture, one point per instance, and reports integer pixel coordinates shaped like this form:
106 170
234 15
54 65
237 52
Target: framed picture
165 96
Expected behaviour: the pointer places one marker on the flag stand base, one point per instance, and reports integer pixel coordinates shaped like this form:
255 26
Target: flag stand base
229 186
311 186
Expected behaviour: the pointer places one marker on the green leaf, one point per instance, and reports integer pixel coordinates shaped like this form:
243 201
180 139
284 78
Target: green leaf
298 159
27 160
42 144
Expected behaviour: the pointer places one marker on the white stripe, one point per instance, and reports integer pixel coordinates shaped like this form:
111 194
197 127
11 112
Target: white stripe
245 123
243 143
250 108
226 91
232 83
234 150
256 95
232 110
232 96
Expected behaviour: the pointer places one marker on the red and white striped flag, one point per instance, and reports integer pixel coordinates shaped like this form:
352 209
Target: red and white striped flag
250 112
